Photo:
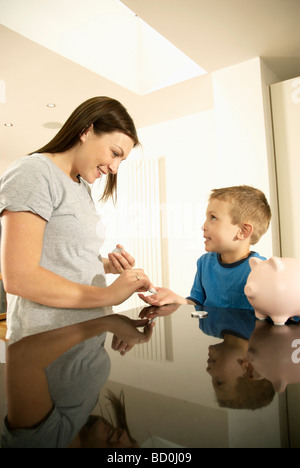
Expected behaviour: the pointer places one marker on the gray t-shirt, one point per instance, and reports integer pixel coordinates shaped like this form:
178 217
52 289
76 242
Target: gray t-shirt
72 240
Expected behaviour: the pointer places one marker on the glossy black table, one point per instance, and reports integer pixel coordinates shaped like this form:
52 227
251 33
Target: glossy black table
211 378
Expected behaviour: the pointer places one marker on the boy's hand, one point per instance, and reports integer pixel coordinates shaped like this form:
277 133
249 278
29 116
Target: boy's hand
164 296
152 312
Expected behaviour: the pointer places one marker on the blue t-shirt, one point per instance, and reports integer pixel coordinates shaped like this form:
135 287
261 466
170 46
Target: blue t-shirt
220 322
220 284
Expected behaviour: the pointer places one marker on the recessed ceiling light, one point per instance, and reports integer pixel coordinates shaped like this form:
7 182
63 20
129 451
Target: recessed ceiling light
51 104
52 125
8 124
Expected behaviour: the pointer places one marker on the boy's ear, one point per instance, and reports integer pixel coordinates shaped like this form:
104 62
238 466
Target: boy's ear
245 232
247 367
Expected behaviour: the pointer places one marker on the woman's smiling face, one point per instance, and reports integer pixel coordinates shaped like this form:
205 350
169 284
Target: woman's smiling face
100 155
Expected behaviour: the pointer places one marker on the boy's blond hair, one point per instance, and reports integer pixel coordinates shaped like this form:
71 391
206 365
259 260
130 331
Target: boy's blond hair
248 205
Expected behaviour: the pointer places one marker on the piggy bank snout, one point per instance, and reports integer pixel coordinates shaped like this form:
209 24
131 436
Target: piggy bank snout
249 290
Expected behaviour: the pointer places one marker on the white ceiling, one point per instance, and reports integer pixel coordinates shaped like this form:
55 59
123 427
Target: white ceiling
103 36
220 33
213 33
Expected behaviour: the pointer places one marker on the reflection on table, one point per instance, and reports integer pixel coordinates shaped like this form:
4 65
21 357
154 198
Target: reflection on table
216 381
2 312
210 377
2 300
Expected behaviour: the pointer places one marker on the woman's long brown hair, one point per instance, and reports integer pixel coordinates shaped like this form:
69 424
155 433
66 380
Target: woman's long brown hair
107 115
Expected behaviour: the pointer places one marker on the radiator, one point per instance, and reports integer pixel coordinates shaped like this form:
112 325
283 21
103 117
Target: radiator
147 242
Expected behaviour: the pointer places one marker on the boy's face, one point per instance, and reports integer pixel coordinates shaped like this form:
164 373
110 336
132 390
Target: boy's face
219 232
224 367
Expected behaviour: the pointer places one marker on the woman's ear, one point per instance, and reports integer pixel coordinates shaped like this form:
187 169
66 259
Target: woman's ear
84 134
245 232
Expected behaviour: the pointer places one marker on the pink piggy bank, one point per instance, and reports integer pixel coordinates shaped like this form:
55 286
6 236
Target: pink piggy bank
273 288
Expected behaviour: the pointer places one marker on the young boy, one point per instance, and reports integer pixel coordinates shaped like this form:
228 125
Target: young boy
236 218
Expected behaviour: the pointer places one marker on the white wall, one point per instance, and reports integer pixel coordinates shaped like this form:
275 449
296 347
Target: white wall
242 133
188 144
286 118
227 145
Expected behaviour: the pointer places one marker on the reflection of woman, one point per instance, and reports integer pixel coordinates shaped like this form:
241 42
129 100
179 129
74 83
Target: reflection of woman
33 419
114 431
52 270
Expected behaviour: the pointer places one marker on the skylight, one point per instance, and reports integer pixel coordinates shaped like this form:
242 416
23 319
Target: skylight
103 36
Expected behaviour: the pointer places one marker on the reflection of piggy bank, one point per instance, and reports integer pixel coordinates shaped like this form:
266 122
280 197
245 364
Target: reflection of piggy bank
274 353
273 288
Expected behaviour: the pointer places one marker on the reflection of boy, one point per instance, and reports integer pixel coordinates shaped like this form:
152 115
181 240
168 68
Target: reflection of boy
231 377
236 218
232 380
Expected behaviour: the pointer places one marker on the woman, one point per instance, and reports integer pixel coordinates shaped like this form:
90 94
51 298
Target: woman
52 271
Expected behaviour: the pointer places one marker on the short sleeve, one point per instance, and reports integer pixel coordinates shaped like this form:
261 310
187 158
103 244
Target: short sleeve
26 186
197 293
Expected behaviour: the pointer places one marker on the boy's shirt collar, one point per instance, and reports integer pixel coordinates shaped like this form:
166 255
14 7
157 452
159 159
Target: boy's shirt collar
235 264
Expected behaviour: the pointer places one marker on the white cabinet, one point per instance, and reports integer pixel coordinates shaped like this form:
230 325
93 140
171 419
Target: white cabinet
285 100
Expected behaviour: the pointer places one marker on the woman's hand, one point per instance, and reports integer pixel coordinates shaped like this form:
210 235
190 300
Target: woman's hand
126 333
118 261
129 282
